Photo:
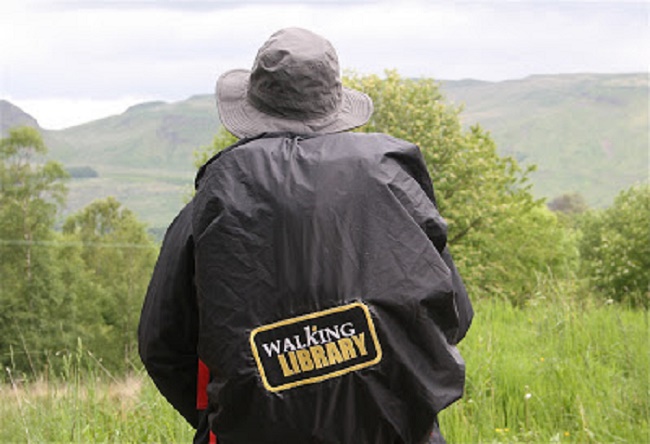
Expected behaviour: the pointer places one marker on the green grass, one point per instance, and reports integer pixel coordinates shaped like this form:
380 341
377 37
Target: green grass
85 409
554 371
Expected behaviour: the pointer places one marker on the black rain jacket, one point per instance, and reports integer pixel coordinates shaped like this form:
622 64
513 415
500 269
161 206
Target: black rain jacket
311 275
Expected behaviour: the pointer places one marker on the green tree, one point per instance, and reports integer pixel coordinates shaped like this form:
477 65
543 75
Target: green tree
32 189
615 247
117 257
569 203
222 140
569 208
500 236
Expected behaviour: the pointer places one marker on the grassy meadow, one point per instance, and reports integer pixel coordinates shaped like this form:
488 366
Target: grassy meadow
554 371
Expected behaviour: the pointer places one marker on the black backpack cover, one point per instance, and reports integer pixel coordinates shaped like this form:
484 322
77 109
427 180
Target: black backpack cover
329 305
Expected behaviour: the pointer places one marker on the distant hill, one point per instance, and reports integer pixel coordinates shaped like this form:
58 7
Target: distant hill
12 116
143 157
153 135
587 133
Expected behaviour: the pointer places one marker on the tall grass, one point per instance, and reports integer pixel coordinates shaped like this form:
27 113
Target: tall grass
85 404
557 370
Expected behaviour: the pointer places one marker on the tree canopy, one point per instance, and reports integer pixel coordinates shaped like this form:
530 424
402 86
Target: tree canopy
85 283
117 258
31 191
615 247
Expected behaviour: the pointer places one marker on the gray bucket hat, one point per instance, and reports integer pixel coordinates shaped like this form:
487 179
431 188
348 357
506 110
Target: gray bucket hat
294 86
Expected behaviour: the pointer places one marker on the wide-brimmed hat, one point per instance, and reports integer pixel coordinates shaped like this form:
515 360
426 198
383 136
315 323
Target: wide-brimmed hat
295 86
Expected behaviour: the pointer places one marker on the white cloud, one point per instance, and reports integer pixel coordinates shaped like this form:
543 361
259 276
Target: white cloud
89 53
57 113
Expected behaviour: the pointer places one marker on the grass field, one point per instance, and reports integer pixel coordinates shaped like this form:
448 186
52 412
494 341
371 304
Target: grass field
551 372
156 196
554 373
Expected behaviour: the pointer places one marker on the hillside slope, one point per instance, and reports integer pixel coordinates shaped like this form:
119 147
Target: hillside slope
154 135
144 156
587 133
12 116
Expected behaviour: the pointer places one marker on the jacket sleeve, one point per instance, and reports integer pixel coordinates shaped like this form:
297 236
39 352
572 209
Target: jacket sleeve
463 306
455 318
168 330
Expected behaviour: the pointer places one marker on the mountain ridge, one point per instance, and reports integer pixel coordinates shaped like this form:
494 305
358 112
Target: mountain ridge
12 115
587 133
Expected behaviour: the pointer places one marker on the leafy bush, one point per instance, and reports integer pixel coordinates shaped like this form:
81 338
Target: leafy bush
615 247
115 258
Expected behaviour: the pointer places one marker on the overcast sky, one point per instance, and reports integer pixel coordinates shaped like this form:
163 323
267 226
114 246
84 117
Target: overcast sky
69 62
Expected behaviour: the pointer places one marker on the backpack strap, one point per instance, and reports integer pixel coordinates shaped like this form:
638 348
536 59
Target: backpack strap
202 381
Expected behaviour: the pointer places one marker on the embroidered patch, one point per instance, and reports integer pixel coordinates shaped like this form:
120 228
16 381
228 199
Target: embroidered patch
315 347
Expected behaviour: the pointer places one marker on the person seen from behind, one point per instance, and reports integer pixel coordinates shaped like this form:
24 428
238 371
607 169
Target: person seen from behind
306 294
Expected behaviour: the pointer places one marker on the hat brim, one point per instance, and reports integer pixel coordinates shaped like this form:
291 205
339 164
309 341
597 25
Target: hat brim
244 120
